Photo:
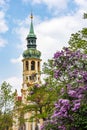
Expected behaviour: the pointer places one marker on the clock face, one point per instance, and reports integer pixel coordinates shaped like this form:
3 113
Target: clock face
33 77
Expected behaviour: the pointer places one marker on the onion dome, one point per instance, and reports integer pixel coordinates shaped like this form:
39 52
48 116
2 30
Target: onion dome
32 53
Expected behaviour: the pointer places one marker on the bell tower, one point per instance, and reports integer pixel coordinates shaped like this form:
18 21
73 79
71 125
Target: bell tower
31 75
31 60
31 69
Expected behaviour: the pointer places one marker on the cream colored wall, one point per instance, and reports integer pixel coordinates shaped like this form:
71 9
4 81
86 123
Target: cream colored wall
24 92
27 73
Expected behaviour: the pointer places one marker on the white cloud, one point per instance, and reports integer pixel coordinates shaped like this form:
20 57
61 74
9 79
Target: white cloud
33 1
59 4
3 42
3 25
15 82
17 60
2 2
81 3
53 34
51 4
3 28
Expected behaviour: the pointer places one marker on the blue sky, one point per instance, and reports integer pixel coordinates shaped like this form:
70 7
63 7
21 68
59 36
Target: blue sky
54 22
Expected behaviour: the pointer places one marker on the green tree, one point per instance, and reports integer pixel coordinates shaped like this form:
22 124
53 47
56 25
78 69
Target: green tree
85 15
6 105
78 41
41 101
48 71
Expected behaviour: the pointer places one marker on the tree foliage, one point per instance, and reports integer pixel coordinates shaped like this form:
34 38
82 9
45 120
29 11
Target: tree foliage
6 105
41 101
48 71
78 41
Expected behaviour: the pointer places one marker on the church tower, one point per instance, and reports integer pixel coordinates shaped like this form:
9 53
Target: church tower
31 69
31 60
31 76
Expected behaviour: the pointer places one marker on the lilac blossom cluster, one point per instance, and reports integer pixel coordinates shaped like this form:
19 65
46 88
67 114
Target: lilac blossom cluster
65 109
70 70
70 67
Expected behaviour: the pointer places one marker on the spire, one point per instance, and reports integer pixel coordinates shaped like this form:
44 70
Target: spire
31 33
31 26
31 37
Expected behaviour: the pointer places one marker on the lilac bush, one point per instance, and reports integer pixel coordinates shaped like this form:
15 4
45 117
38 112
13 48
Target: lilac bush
67 111
70 112
70 67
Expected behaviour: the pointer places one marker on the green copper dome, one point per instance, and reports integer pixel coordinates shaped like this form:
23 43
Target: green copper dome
32 53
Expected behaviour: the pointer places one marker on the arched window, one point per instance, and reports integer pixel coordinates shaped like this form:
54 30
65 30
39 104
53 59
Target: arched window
32 65
27 65
36 127
32 41
22 127
38 66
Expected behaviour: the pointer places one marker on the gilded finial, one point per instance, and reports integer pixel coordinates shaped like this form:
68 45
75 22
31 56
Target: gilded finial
31 16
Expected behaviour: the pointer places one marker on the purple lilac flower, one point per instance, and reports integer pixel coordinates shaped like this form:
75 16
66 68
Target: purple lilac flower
72 93
76 106
37 85
62 127
58 54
